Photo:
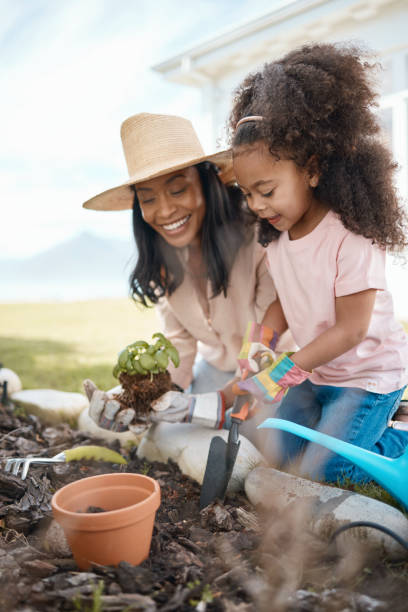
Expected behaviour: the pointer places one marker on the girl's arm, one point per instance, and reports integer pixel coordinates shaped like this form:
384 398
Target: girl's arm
353 315
264 290
274 317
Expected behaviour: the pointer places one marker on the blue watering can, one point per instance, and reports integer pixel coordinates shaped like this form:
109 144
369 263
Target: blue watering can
392 474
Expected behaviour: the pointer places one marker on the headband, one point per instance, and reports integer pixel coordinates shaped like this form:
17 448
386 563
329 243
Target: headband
249 118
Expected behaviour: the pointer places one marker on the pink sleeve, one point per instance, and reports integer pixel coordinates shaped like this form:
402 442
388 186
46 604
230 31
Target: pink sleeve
182 340
360 266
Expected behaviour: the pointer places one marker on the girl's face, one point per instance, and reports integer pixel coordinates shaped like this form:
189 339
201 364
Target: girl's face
174 206
278 190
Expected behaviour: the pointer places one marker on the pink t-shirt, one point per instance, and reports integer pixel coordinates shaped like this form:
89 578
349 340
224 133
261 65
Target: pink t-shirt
309 273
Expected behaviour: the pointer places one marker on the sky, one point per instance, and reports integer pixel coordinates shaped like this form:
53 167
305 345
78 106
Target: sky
71 71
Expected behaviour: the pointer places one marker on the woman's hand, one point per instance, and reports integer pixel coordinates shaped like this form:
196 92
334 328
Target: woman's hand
105 410
206 409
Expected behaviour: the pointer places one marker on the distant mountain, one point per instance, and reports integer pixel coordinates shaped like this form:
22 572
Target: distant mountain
83 267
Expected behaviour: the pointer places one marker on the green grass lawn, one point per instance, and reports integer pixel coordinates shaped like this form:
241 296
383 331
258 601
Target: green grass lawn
57 345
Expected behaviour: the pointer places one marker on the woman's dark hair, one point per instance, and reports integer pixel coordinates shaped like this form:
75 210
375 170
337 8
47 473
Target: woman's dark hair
317 107
159 269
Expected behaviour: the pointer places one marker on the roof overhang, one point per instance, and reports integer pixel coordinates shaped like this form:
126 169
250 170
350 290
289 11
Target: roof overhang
267 36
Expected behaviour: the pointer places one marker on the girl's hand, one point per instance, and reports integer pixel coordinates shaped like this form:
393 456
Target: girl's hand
206 409
272 383
257 348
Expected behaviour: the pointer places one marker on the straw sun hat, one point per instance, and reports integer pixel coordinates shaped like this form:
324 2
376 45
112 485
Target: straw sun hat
155 145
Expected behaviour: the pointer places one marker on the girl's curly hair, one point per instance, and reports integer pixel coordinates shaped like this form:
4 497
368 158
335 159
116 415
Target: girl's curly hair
317 103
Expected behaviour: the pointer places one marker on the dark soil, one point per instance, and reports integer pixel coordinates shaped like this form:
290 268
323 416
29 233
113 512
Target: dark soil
139 391
228 557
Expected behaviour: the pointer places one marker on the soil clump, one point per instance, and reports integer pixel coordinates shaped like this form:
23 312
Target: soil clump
139 391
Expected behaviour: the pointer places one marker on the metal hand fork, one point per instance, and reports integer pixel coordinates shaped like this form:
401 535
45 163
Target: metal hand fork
13 464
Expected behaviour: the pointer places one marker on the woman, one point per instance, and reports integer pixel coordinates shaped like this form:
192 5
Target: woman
199 261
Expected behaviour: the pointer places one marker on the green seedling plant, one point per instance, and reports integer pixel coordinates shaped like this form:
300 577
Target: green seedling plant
97 605
206 593
147 359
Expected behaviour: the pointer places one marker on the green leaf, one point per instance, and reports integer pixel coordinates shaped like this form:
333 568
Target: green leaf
147 361
162 359
174 356
140 344
129 365
161 338
123 357
138 367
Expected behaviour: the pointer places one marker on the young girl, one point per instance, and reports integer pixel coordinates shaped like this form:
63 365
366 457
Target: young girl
309 157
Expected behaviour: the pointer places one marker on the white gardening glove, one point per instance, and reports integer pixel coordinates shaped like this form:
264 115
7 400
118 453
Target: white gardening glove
106 411
206 409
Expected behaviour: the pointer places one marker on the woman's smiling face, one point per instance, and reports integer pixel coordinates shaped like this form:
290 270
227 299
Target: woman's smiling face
174 206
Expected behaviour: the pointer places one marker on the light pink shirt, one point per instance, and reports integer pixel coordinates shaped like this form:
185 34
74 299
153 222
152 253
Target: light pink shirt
215 329
309 273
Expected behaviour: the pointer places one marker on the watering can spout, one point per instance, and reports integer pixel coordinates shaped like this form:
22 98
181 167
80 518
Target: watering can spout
392 474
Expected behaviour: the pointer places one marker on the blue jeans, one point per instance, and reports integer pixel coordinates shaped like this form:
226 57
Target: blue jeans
350 414
208 378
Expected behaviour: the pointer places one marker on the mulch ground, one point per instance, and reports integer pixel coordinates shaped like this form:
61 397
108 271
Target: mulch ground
228 557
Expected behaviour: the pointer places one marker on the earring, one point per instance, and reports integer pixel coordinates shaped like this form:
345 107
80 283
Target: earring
313 181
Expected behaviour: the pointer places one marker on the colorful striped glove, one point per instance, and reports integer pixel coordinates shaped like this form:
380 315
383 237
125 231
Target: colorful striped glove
257 339
206 409
272 383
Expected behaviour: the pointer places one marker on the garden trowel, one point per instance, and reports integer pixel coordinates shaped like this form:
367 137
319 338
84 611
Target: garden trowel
222 456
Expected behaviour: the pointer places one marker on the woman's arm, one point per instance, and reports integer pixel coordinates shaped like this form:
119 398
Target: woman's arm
353 315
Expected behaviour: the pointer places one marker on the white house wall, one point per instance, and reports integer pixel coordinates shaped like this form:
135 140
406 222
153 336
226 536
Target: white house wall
386 34
216 66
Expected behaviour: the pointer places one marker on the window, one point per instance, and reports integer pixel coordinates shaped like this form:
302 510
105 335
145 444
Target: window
394 114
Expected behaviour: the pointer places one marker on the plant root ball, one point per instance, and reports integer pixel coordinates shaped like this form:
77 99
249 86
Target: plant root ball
140 390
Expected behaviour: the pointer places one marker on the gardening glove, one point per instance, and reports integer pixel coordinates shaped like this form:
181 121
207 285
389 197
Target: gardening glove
272 383
105 410
206 409
258 346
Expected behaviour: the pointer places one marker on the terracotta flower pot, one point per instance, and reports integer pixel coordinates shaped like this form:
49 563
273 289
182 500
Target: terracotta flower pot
123 532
